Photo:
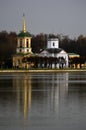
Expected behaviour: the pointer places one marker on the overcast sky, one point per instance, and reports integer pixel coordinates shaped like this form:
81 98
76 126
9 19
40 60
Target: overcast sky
67 17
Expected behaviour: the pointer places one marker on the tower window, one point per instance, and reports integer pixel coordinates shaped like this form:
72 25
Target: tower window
53 44
20 50
20 42
27 43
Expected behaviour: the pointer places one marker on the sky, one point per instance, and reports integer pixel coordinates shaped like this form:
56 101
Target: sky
66 17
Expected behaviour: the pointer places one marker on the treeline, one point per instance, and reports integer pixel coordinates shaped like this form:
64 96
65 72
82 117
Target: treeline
69 45
8 43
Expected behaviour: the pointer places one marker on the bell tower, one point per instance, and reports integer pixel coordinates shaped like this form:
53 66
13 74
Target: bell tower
24 40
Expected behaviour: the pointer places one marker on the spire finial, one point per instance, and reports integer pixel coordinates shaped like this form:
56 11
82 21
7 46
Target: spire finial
23 24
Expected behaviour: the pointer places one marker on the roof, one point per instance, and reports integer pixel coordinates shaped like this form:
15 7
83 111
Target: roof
24 34
54 50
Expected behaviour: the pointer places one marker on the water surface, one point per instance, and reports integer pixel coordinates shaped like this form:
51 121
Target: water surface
43 101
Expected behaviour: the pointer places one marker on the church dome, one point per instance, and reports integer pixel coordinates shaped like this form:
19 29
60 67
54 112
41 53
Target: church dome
24 34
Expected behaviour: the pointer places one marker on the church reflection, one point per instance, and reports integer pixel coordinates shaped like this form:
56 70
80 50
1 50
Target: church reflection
22 85
27 95
40 93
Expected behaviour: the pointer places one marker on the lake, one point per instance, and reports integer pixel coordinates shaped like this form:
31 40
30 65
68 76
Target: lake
43 101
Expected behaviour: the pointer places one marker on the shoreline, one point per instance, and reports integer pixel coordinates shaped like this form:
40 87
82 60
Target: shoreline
42 71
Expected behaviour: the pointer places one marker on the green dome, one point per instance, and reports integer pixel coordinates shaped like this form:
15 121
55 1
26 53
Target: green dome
24 34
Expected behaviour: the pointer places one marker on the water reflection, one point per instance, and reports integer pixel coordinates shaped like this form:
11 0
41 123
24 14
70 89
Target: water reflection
22 86
40 93
77 83
77 91
42 101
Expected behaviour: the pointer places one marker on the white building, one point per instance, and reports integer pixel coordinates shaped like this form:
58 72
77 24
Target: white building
54 51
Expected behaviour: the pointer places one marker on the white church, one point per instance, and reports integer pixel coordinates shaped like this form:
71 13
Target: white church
51 56
54 51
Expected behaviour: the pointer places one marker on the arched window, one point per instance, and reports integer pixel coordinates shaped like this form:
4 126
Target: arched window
20 42
27 43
